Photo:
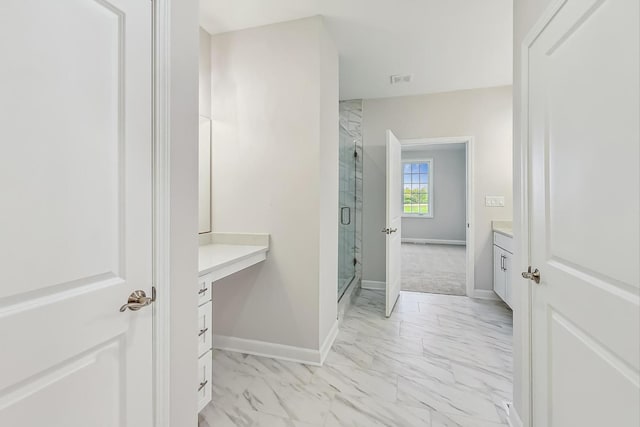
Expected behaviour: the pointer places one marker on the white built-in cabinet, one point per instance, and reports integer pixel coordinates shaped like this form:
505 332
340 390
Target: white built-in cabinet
502 257
219 255
205 340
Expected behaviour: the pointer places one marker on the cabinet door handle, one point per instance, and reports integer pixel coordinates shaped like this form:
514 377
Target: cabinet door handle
202 384
502 262
202 332
202 291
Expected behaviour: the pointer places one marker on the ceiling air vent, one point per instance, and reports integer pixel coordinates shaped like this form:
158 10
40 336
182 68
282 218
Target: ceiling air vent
398 78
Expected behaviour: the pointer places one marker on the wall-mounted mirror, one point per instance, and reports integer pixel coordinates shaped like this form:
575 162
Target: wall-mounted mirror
204 171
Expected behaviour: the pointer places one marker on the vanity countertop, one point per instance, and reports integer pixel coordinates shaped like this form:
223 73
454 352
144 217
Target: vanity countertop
222 254
503 227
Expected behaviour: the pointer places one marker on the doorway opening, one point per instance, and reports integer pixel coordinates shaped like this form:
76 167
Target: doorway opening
437 194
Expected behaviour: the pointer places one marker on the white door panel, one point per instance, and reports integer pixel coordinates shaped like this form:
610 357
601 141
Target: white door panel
394 221
584 141
76 185
94 377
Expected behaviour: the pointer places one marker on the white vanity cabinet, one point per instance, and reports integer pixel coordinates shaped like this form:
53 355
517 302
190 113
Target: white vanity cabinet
205 340
219 256
502 257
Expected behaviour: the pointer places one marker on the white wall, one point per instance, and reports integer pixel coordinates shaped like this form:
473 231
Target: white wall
486 115
183 222
448 198
329 185
275 170
525 14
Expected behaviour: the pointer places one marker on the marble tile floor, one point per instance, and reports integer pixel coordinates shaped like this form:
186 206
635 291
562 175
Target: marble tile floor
438 361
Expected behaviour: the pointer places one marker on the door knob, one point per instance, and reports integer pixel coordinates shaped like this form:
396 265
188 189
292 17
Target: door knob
139 299
535 275
392 230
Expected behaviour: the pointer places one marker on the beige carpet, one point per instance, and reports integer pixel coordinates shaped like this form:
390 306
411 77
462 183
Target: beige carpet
438 269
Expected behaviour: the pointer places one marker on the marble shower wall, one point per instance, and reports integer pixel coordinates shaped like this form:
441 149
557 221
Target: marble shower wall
351 125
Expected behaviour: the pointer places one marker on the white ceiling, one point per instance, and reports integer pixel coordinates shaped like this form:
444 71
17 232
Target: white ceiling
445 44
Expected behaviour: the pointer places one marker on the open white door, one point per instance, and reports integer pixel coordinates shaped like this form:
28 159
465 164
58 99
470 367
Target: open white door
76 228
393 228
584 210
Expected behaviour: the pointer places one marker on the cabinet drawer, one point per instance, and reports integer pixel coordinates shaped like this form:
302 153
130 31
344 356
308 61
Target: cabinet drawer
503 241
204 328
205 364
204 289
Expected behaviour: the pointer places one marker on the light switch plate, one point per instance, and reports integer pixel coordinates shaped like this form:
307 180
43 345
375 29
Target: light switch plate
494 201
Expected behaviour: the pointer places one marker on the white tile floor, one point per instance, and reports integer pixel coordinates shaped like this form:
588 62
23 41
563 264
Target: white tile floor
439 361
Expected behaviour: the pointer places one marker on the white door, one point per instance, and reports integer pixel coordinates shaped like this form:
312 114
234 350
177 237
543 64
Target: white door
584 214
393 229
76 213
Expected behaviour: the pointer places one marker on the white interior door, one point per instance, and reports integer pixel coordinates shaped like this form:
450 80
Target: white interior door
393 229
584 211
76 193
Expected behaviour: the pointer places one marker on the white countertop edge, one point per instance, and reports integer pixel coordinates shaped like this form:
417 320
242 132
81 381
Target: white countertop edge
503 232
503 227
222 254
257 253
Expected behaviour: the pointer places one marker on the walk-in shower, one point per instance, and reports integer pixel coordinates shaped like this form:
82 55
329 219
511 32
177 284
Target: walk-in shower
347 234
350 187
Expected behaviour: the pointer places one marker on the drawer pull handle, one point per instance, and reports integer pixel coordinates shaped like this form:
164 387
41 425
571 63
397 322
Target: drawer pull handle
202 384
202 331
202 291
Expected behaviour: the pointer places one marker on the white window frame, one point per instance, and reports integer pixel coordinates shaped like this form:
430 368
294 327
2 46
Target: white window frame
429 215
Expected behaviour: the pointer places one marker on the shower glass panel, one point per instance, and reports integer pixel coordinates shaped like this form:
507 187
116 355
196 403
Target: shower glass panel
347 212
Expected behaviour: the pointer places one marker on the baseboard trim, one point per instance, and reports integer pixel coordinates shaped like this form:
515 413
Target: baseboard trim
275 351
373 285
514 418
485 294
433 241
328 342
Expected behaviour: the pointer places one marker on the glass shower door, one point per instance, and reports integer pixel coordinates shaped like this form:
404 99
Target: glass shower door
347 206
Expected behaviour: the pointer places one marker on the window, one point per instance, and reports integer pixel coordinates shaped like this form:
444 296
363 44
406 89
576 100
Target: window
417 184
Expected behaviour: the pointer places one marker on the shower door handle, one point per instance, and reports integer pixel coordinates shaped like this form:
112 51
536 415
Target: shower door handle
348 211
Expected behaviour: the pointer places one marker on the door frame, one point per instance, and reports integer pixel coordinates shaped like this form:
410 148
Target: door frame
523 296
470 196
161 64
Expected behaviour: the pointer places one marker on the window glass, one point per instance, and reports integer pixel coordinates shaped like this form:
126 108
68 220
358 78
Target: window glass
417 178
